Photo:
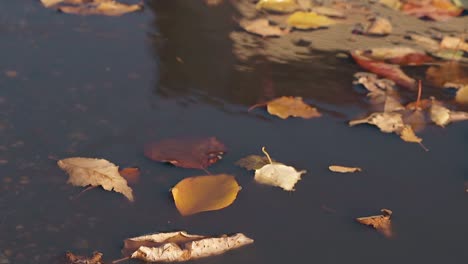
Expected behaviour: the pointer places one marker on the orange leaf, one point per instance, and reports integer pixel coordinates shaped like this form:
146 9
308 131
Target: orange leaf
287 106
131 174
380 222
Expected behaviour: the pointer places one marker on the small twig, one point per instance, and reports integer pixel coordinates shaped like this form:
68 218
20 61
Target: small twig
83 191
424 147
120 260
267 155
255 106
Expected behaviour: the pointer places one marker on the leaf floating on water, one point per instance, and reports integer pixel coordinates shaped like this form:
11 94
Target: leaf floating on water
92 7
380 222
343 169
287 106
75 259
309 20
180 246
278 174
195 153
205 193
440 114
407 134
281 6
387 122
253 162
261 27
131 174
95 172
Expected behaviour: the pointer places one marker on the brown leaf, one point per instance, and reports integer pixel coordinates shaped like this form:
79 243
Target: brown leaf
205 193
95 172
387 122
342 169
439 10
416 119
196 153
75 259
449 72
253 162
454 43
261 27
131 174
287 106
380 27
380 222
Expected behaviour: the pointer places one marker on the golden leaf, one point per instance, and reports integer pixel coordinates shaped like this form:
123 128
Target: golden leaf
180 246
283 6
462 95
287 106
440 115
380 222
205 193
309 20
408 135
343 169
95 172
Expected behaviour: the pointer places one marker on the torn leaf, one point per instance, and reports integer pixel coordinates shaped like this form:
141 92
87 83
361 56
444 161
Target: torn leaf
95 172
380 222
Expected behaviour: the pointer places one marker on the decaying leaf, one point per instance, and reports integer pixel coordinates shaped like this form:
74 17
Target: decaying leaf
379 27
196 153
278 174
253 162
95 172
309 20
287 106
343 169
380 222
381 91
75 259
180 246
205 193
387 122
261 27
92 7
282 6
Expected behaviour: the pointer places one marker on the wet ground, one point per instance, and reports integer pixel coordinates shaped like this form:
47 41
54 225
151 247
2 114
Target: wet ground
102 87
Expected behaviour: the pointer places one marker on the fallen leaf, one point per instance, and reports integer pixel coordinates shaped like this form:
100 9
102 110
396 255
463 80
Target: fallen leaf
328 11
454 43
397 55
452 72
393 4
196 153
278 174
439 10
462 95
11 74
309 20
213 2
387 122
95 172
205 193
131 174
253 162
389 71
282 6
381 92
92 7
287 106
415 118
456 116
180 246
75 259
407 134
379 27
261 27
380 222
440 115
342 169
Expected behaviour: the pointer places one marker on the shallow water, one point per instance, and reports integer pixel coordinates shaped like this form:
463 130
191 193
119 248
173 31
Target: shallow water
102 87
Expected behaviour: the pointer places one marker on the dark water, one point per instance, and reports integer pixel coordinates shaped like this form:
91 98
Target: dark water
102 87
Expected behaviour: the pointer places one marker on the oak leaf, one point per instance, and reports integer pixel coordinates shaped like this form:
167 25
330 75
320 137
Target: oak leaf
180 246
196 153
287 106
380 222
343 169
95 172
309 20
205 193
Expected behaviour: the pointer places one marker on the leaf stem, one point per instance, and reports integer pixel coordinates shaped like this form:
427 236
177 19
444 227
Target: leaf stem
419 94
267 155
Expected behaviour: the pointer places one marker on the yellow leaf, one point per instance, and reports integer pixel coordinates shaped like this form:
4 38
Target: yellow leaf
95 172
309 20
462 95
408 135
440 115
205 193
283 6
287 106
343 169
380 222
179 246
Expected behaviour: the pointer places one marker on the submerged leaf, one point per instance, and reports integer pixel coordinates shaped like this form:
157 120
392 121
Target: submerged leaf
75 259
309 20
380 222
205 193
287 106
95 172
195 153
180 246
131 174
342 169
253 162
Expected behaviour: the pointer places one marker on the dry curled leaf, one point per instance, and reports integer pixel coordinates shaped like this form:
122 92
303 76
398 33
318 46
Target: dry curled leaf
196 153
180 246
387 122
253 162
343 169
282 6
75 259
95 172
287 106
261 27
380 222
205 193
92 7
309 20
278 174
